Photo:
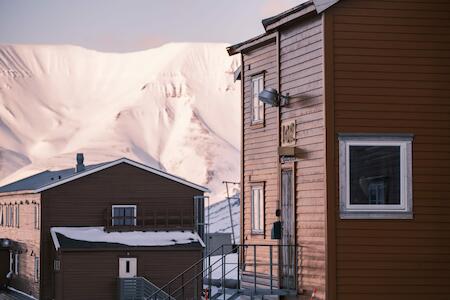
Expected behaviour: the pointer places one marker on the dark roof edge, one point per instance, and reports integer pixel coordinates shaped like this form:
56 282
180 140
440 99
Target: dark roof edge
251 43
272 24
269 21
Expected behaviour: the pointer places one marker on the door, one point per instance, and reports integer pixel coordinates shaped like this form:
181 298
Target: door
287 250
127 267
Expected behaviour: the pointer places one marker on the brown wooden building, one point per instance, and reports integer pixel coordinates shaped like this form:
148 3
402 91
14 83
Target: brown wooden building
74 233
357 160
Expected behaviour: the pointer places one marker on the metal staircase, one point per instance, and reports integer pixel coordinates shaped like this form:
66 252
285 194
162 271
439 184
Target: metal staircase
139 288
246 271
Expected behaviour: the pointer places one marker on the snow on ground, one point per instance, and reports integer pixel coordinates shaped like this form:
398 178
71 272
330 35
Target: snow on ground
175 107
230 262
130 238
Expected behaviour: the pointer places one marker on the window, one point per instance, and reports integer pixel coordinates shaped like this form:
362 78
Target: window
36 216
57 265
258 209
11 211
257 105
9 215
375 176
11 262
17 215
123 215
36 269
16 263
1 215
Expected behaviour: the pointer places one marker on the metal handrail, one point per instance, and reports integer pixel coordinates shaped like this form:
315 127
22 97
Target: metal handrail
202 260
142 288
221 262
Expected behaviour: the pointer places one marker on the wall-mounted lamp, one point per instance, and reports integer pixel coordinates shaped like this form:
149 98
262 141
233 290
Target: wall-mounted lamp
271 97
6 243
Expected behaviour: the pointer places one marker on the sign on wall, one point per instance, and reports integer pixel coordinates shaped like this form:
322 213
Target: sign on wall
287 133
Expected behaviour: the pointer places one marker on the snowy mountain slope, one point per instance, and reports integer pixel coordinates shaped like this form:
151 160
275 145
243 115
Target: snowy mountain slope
175 107
219 216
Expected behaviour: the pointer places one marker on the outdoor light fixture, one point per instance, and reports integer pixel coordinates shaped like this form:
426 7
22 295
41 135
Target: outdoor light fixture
271 97
6 243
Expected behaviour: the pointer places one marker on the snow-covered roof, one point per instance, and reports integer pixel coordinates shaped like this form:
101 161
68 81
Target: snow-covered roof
128 238
49 179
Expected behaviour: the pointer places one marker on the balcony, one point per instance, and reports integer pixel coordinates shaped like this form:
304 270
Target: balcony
159 219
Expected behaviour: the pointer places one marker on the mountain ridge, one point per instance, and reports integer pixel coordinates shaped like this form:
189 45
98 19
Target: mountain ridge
175 107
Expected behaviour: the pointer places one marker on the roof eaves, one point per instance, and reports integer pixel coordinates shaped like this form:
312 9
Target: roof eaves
251 43
285 17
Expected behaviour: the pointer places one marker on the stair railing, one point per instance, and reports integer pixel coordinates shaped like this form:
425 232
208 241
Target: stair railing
134 288
198 279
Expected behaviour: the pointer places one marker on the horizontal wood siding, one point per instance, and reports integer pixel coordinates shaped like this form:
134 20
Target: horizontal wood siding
82 202
392 75
260 144
78 278
301 69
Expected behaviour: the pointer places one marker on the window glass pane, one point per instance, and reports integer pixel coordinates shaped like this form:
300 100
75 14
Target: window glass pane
261 210
257 209
375 175
129 214
118 214
257 106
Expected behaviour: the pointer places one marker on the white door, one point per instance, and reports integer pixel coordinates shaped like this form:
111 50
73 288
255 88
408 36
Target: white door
127 267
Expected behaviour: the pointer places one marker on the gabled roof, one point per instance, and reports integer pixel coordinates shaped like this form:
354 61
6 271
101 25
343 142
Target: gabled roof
50 179
42 179
273 23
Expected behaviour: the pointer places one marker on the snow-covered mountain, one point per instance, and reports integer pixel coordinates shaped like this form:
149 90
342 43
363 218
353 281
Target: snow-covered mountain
175 107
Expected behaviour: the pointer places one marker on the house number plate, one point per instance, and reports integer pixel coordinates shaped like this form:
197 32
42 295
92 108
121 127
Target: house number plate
287 133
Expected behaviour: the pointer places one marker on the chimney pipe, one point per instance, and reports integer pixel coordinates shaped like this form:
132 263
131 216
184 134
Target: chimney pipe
80 165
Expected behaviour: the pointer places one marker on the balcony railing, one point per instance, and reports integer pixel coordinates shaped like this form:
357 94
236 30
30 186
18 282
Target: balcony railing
160 219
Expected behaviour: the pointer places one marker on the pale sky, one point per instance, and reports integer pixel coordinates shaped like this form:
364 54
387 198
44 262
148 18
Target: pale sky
130 25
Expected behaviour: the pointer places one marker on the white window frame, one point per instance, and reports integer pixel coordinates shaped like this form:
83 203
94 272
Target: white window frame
16 263
376 211
260 214
124 206
17 213
11 215
11 262
37 213
260 79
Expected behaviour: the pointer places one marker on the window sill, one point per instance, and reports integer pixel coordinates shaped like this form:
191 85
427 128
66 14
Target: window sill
257 233
393 215
257 125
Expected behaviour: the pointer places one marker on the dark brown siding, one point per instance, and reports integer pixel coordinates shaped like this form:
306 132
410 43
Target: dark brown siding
392 75
82 202
27 236
4 266
301 69
79 279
